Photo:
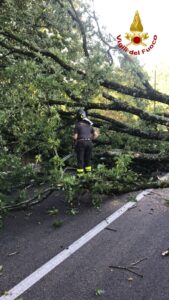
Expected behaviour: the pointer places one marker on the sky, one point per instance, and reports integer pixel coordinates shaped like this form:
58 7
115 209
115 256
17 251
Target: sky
117 16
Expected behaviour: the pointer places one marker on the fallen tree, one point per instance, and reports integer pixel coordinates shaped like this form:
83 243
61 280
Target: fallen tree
49 71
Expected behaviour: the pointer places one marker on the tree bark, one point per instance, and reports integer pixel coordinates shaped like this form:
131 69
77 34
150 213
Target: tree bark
121 127
149 94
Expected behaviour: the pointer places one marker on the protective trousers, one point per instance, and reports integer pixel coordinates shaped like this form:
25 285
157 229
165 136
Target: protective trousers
84 153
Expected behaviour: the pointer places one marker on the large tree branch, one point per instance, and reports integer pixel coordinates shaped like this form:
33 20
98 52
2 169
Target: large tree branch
136 155
122 106
69 11
149 94
116 125
82 30
45 53
163 114
76 19
17 50
123 128
115 106
72 96
127 57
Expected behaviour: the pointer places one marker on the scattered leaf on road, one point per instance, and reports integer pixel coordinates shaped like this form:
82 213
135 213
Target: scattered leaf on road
132 199
72 211
5 293
99 292
28 214
57 224
165 252
130 279
52 212
13 253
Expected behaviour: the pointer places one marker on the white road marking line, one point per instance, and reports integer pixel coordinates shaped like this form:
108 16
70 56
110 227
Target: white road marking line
33 278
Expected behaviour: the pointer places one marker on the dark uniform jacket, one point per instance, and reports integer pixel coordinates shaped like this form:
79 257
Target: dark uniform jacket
84 130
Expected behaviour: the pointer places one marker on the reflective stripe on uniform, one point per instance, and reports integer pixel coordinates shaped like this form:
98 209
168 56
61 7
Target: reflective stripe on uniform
80 172
88 169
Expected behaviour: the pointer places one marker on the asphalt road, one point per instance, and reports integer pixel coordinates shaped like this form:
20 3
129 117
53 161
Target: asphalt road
29 240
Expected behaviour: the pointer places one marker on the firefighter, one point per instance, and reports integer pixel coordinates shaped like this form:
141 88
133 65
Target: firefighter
83 135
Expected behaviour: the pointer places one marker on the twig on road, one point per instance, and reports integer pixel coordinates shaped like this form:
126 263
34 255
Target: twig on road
134 206
132 265
138 261
126 269
13 253
111 229
42 195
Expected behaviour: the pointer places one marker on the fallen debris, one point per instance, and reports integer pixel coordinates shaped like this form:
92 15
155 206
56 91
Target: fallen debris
28 214
57 224
134 206
165 252
138 261
53 211
128 268
1 269
99 292
111 229
13 253
130 279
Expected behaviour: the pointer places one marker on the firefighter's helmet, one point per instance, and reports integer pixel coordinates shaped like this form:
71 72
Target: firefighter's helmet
81 114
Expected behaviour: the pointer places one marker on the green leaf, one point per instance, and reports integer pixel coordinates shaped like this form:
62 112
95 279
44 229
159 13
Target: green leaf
132 199
72 211
99 292
53 212
57 224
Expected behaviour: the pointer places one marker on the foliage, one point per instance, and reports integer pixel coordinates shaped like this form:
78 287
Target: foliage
57 224
3 200
13 174
72 211
54 58
101 182
132 199
99 292
53 211
130 143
